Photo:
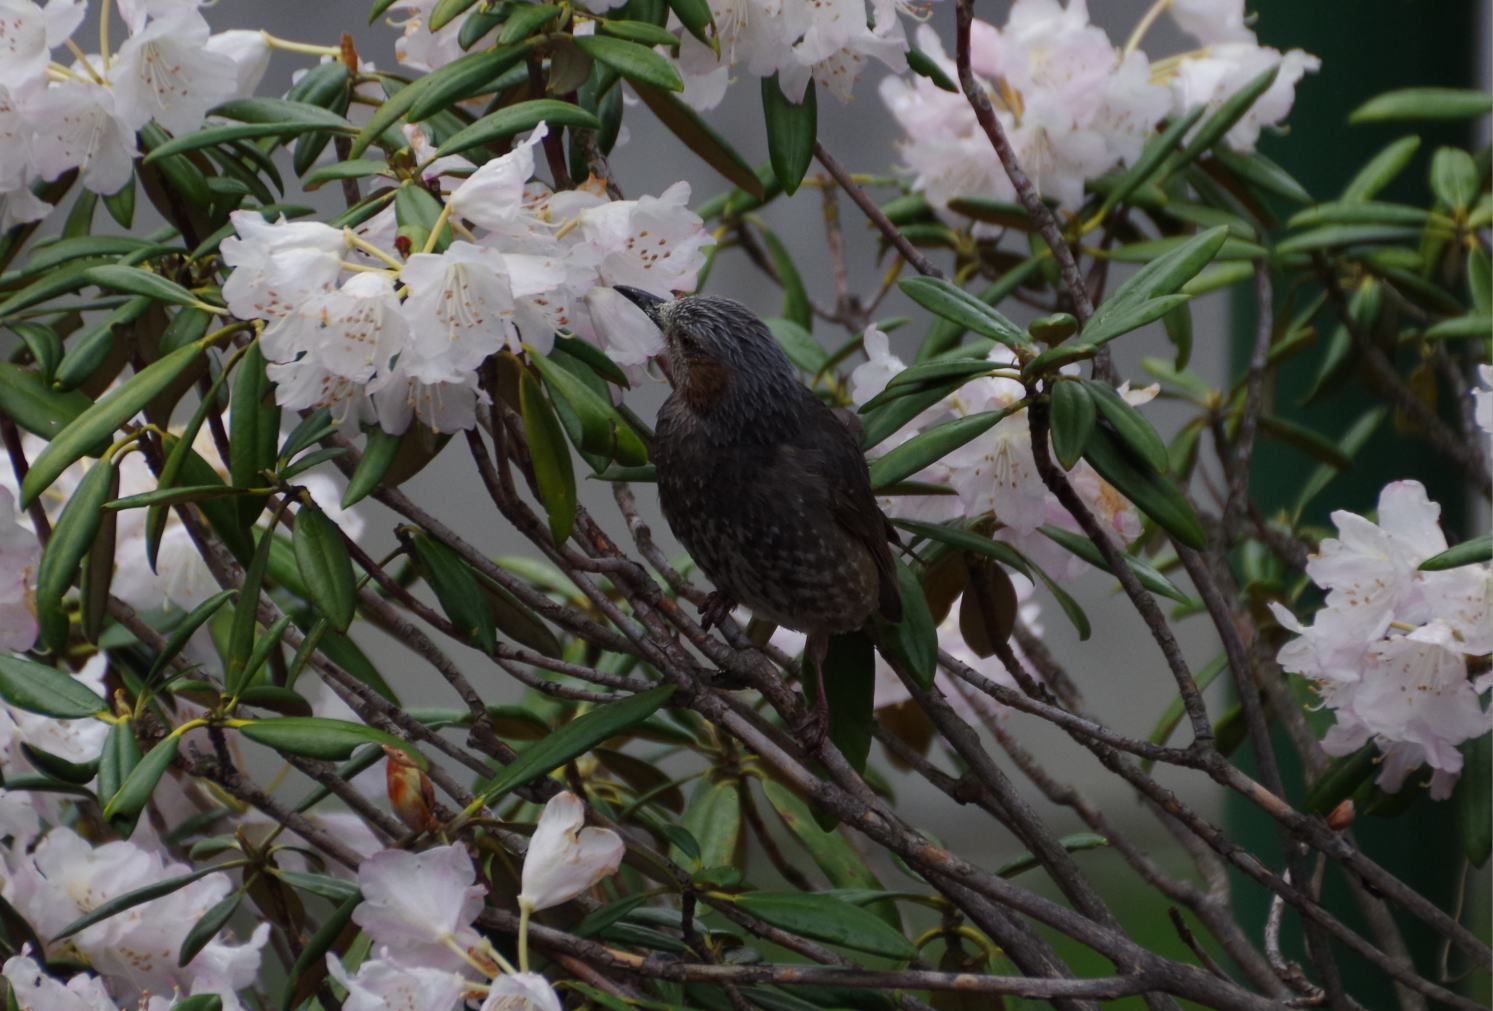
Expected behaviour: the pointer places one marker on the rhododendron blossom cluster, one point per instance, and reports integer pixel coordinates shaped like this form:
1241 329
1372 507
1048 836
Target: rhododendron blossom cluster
1074 105
83 114
353 327
1389 652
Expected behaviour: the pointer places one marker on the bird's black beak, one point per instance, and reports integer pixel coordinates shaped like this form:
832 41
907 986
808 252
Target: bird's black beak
642 299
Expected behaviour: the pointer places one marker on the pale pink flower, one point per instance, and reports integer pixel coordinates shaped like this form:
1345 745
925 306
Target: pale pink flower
566 857
419 905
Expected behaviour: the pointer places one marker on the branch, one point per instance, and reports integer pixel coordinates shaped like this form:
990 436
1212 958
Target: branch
906 249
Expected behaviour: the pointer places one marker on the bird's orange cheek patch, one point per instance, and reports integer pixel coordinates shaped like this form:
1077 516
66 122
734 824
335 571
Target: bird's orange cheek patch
706 383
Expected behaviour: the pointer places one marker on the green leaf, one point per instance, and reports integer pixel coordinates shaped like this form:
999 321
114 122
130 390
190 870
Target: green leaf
1424 104
310 966
550 453
827 919
34 406
1262 173
1455 178
1471 326
43 344
515 119
1361 212
1350 443
1151 493
1131 427
199 1002
525 20
829 850
1469 552
207 926
253 430
100 420
792 128
395 107
1169 272
1331 236
354 168
378 454
923 65
638 64
713 818
71 538
798 344
1156 151
139 281
795 296
1307 439
915 637
576 738
1381 169
1075 843
121 204
699 21
953 303
245 615
1175 710
447 11
944 374
321 737
596 418
135 791
1343 776
325 566
933 444
456 589
37 688
701 138
76 773
280 112
849 683
469 75
642 32
120 755
1084 548
1072 421
131 899
212 136
1472 799
1224 117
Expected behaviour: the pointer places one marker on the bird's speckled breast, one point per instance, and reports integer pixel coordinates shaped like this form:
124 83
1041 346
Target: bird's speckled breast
760 529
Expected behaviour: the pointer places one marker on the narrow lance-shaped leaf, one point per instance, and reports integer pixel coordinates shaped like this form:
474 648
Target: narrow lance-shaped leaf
701 138
550 453
1072 420
98 422
321 737
139 281
827 919
792 128
576 738
71 538
634 62
1424 104
515 119
456 589
136 897
953 303
1133 429
325 566
1152 493
38 688
137 787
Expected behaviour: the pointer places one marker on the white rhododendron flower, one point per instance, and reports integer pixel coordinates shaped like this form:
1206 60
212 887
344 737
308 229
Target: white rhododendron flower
419 905
81 112
566 857
1073 105
521 991
826 41
1482 400
65 876
355 327
1389 649
36 991
381 984
996 472
20 554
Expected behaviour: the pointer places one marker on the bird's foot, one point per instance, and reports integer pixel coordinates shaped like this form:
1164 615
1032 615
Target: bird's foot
812 730
716 609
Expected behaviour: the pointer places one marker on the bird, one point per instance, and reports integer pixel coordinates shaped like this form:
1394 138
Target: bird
764 484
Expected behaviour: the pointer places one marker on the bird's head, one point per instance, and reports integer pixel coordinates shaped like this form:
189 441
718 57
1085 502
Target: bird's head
719 352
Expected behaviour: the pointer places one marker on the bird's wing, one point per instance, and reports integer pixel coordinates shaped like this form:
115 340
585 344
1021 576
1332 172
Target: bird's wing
843 468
